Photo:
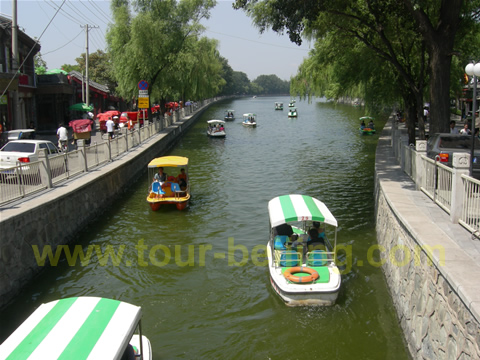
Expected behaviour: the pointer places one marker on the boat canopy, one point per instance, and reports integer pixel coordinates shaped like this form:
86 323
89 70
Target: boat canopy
249 115
216 122
168 161
290 208
279 103
230 111
367 118
74 328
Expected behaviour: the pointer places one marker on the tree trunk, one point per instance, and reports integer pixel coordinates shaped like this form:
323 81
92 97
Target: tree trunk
410 114
439 90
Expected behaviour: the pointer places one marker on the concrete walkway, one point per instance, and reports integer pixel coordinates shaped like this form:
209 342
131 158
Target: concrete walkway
431 225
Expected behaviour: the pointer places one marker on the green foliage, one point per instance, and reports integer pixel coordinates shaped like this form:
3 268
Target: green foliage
40 64
158 45
99 68
272 84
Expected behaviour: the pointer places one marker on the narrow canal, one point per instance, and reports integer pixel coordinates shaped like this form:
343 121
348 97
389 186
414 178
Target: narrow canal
221 306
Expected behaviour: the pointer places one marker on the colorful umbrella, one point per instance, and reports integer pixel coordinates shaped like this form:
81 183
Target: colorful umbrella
81 107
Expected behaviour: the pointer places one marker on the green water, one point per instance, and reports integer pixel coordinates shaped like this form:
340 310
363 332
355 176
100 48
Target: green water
221 304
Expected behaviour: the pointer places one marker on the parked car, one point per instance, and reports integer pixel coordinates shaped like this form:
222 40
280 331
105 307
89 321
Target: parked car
18 134
27 151
444 145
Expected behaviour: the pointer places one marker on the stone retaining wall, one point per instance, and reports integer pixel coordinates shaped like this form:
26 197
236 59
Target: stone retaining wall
56 216
435 321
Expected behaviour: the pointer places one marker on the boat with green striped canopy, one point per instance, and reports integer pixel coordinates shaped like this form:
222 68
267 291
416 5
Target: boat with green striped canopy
301 258
80 328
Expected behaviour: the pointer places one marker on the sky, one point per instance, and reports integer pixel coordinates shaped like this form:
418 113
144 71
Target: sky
63 38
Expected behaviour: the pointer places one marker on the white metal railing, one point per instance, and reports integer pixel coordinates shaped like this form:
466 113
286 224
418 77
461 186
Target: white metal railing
470 216
449 187
19 181
429 179
444 187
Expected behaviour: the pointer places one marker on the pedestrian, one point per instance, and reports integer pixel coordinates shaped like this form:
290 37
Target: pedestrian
425 114
465 130
62 135
453 129
110 126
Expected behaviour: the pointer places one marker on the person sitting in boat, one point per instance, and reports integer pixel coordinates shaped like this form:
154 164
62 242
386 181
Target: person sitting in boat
371 125
321 231
160 176
182 179
283 229
315 242
362 125
221 128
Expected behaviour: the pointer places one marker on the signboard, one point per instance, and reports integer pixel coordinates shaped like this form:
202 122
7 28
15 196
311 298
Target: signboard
142 85
142 92
143 102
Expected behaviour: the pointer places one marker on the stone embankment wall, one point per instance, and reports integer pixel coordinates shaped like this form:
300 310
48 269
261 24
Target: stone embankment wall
436 321
56 216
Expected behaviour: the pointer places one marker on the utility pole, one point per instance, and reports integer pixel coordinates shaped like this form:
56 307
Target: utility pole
17 122
87 79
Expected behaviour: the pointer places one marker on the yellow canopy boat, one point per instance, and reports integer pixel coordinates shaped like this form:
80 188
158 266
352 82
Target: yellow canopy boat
170 185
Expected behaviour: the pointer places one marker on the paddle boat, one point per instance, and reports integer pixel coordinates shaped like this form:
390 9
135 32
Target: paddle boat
80 328
249 120
291 103
166 189
368 129
301 272
216 128
292 112
278 106
229 115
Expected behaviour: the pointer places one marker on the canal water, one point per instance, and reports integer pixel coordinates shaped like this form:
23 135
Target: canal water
203 291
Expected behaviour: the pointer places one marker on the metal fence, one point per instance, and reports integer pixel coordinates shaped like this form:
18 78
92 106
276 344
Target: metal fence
443 184
19 181
470 217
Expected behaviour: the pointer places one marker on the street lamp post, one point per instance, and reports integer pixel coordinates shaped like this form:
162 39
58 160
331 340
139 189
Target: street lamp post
473 69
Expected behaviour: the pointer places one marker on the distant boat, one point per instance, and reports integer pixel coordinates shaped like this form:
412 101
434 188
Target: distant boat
279 106
292 112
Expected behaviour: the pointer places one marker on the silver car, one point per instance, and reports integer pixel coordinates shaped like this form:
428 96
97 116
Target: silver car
444 145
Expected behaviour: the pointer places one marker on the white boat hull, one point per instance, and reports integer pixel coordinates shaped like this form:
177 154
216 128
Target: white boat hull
317 294
247 124
216 133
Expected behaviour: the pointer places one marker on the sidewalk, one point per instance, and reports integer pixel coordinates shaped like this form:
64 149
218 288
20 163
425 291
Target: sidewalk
430 225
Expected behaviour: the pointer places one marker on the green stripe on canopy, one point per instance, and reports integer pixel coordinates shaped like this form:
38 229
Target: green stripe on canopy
87 336
289 213
36 336
316 213
291 208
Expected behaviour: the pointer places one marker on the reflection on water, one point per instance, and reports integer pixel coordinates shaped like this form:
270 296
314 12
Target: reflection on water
202 298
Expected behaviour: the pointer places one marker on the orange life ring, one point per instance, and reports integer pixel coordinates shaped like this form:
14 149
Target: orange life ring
301 279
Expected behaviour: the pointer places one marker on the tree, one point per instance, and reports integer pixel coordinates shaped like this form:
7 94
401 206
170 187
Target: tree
99 68
40 64
147 45
241 83
272 84
436 24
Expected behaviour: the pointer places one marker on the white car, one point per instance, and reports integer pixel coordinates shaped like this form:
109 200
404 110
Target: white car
26 151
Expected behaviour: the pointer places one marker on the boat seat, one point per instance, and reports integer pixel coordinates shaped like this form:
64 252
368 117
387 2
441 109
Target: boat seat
289 258
157 189
279 242
317 258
